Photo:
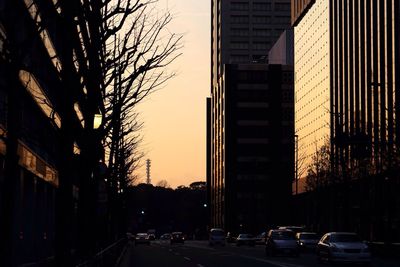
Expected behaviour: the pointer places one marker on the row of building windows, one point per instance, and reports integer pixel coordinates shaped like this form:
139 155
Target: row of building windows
246 45
259 6
244 19
256 32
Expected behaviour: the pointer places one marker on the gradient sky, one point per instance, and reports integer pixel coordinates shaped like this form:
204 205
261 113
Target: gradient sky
175 116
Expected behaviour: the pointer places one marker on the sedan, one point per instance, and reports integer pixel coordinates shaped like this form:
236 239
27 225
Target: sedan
245 239
343 247
307 240
281 242
142 238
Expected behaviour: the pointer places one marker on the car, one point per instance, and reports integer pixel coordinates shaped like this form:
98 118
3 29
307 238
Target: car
245 239
260 239
142 238
216 237
166 236
307 241
281 241
177 237
343 247
295 229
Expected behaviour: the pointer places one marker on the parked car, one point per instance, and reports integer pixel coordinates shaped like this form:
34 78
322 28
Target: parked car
230 238
307 240
260 239
281 242
177 237
216 237
142 238
343 247
245 239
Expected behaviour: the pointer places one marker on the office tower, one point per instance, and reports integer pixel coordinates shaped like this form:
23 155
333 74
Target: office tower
347 97
241 91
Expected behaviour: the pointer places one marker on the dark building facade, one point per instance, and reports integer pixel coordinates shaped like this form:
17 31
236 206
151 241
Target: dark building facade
258 148
242 32
33 90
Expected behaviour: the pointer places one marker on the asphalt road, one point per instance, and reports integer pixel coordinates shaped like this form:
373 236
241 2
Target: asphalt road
199 254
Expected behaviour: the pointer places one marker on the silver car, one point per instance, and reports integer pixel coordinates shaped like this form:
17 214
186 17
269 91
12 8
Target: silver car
281 242
343 247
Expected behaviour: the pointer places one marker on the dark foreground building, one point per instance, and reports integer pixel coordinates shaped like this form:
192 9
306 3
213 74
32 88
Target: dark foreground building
256 134
244 113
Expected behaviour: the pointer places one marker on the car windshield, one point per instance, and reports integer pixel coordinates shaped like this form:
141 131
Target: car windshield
245 236
345 238
282 235
308 236
141 234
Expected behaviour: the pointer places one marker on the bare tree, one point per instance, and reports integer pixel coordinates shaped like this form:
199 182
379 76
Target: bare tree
137 49
319 170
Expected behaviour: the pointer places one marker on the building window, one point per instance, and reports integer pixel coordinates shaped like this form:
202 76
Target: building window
261 19
240 32
239 45
261 32
282 6
239 19
239 58
261 6
260 46
239 6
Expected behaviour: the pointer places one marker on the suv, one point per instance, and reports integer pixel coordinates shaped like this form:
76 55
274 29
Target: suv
217 236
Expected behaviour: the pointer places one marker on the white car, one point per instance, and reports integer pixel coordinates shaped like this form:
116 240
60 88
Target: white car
343 247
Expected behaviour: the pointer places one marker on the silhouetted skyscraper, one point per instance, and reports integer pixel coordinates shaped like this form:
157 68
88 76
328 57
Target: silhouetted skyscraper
243 93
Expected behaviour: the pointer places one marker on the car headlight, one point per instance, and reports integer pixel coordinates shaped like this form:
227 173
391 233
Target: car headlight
301 244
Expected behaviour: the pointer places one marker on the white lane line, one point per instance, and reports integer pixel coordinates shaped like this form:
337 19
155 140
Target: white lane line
199 265
187 258
279 264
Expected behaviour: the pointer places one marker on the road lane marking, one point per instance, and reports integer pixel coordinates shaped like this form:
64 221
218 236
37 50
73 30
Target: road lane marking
187 258
199 265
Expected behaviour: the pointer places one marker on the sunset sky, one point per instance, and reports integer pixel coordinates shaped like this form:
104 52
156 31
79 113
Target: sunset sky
175 116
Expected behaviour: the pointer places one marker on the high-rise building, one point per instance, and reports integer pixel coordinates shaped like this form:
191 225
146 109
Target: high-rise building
347 55
244 93
312 80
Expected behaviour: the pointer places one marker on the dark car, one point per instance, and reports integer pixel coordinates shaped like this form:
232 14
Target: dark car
307 241
177 237
281 242
245 239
